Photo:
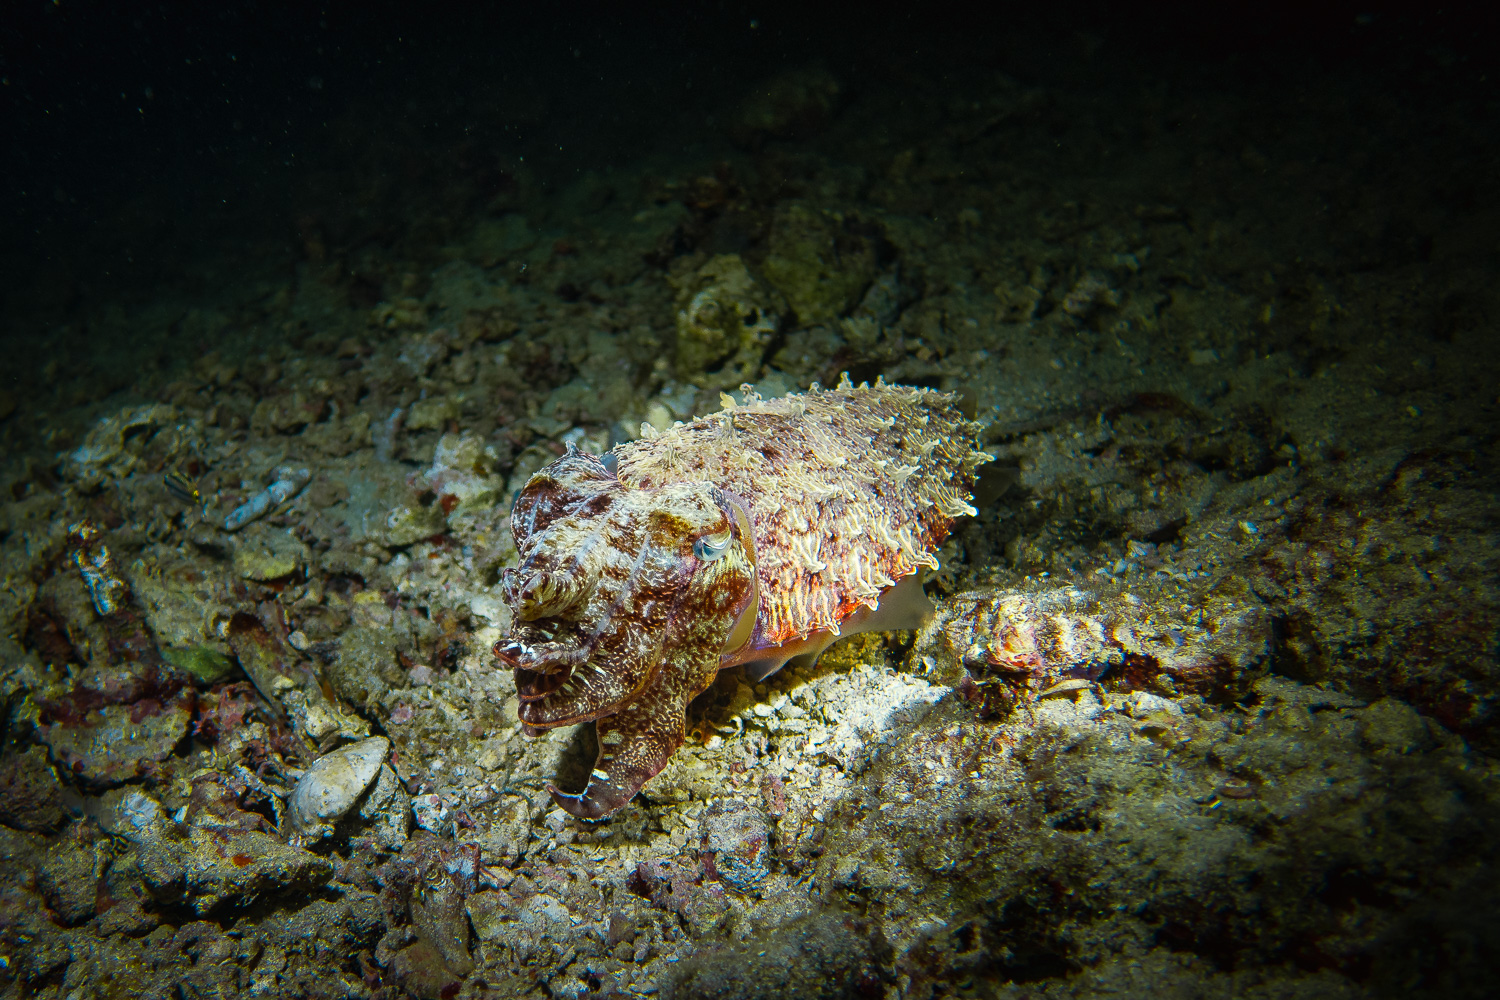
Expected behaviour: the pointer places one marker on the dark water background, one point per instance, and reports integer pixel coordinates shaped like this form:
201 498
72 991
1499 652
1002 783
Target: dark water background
154 145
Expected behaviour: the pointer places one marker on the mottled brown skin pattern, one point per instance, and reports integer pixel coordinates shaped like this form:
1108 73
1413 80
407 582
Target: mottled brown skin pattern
749 536
621 614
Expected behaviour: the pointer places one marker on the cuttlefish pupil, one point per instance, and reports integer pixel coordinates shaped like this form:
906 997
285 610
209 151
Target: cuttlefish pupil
709 549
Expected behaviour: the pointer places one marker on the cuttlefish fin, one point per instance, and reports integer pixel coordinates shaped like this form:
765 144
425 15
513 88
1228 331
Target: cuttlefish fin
902 606
634 745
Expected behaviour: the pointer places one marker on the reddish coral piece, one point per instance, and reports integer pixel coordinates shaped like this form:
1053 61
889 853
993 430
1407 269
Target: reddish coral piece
1031 640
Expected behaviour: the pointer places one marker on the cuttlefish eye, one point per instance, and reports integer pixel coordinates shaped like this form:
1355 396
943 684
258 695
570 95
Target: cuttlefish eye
711 547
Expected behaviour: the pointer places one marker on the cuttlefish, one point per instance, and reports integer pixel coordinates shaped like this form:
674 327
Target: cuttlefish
746 538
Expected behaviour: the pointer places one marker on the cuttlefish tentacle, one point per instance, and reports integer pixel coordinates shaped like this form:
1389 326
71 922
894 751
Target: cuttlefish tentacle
541 657
594 685
715 594
635 603
636 742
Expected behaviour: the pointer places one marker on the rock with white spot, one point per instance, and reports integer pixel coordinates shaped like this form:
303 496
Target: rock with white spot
431 811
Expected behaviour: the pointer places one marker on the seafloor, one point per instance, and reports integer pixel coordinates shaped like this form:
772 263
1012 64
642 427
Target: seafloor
1231 331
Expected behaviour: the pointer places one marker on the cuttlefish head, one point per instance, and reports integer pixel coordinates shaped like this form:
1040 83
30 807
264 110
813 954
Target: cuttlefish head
622 594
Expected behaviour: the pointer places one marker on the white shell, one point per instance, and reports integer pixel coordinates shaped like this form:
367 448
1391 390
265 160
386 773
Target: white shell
333 784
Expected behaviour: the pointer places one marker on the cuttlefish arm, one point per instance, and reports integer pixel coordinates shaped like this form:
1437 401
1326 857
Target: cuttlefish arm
603 571
614 659
636 742
661 633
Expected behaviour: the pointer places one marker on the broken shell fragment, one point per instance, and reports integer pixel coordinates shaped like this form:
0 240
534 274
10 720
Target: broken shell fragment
333 784
92 558
1064 687
431 812
289 483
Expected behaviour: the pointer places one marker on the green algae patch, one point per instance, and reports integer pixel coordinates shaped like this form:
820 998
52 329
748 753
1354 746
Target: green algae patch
204 664
818 262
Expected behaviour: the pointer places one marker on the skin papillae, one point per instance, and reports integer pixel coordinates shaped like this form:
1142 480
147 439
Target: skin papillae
748 537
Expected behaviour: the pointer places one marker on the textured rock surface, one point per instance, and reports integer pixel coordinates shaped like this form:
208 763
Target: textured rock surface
725 321
211 868
821 262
